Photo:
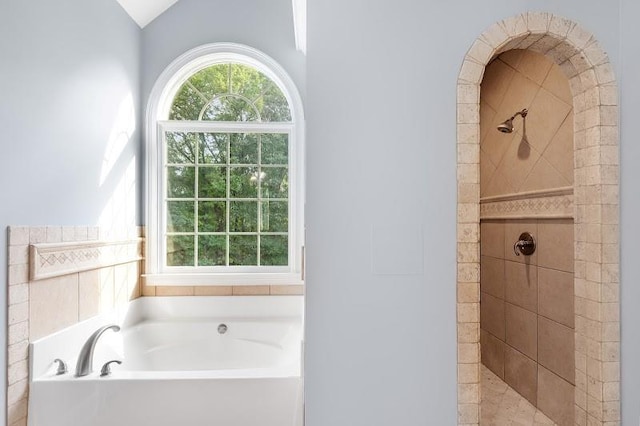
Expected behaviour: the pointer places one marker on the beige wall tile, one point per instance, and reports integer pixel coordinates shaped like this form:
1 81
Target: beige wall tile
492 353
54 234
251 290
556 348
518 161
511 57
559 152
512 231
18 235
175 290
495 83
89 286
213 291
468 353
555 295
487 116
521 285
37 234
284 290
107 289
17 352
18 274
546 115
492 317
53 305
17 411
492 239
558 84
555 397
534 66
492 276
544 176
498 185
522 330
520 372
17 391
521 93
19 254
18 333
18 312
493 142
555 245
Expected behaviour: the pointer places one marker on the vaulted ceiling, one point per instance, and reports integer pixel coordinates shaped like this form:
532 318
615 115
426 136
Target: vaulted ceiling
145 11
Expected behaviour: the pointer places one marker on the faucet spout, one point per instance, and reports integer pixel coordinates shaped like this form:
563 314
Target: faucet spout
84 365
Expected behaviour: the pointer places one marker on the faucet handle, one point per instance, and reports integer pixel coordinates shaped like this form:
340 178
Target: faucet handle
62 367
106 368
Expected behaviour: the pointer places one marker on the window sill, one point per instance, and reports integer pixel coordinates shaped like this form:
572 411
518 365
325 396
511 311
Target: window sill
223 279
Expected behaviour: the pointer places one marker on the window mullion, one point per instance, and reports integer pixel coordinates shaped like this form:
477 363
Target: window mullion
259 180
228 193
196 204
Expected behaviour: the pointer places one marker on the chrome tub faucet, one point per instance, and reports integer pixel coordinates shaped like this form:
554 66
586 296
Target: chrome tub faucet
85 359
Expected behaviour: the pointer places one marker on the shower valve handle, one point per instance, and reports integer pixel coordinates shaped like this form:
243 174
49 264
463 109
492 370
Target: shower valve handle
525 245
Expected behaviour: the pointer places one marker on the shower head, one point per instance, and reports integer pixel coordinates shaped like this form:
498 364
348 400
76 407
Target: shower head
507 125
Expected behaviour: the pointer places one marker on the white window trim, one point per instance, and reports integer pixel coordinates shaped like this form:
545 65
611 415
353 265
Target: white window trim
158 108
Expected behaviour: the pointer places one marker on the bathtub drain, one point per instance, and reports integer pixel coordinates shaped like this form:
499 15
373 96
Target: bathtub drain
222 328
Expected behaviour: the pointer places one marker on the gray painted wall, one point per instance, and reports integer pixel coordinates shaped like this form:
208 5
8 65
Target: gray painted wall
381 81
629 73
264 25
65 68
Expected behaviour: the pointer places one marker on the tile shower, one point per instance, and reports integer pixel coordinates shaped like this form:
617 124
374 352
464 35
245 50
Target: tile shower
526 177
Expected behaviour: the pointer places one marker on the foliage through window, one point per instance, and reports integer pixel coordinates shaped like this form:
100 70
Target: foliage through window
226 166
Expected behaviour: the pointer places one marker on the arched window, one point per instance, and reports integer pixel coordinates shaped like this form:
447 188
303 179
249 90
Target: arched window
225 156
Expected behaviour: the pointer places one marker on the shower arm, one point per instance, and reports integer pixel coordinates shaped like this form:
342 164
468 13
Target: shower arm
522 113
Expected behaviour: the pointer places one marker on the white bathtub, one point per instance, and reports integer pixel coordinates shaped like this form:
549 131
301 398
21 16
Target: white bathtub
179 370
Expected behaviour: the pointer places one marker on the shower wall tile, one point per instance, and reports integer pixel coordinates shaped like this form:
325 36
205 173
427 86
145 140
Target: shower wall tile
556 83
559 152
543 176
532 67
492 276
492 353
521 285
516 172
555 397
521 373
556 351
513 163
522 330
492 239
495 83
555 296
536 304
555 245
492 316
547 115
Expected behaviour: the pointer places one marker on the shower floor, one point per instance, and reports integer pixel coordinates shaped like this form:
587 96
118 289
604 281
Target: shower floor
503 406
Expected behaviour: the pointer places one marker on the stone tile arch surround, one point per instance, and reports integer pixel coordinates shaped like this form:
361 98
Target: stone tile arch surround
595 209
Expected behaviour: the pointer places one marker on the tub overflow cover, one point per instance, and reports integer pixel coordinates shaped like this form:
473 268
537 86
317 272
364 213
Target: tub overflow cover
222 328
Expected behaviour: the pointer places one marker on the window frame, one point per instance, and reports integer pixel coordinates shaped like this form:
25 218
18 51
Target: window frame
160 100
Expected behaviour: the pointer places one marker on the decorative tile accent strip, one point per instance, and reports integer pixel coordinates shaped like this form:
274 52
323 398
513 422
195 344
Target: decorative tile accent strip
56 259
542 205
